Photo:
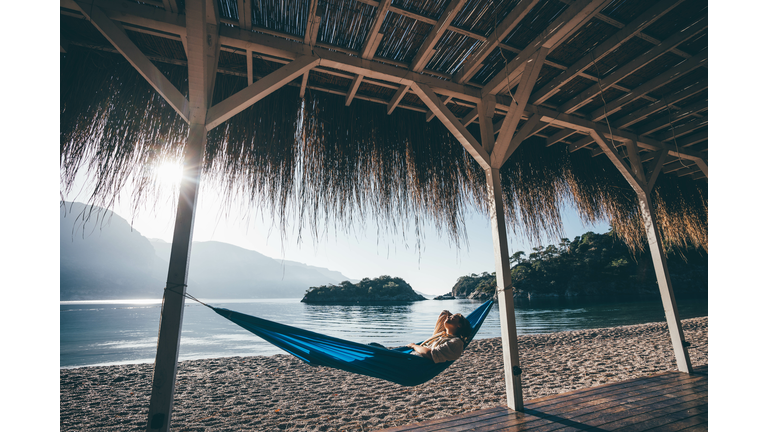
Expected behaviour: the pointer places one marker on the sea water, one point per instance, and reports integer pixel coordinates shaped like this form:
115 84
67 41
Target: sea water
125 331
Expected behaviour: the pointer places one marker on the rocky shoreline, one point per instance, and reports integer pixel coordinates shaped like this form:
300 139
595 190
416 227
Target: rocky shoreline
282 393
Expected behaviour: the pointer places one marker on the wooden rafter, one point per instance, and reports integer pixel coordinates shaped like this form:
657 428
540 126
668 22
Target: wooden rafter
246 97
426 50
353 90
625 34
117 37
605 83
474 148
473 64
684 112
670 75
661 104
569 22
244 14
503 148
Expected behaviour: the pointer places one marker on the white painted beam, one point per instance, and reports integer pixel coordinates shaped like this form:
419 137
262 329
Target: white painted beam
446 117
262 88
114 33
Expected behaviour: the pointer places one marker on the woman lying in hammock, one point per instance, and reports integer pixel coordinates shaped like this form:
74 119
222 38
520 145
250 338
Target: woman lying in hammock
447 341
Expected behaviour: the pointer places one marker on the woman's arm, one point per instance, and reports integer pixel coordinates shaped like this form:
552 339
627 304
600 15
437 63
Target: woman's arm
440 324
422 350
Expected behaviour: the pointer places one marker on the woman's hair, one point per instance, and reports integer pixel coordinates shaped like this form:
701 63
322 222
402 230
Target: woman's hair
465 328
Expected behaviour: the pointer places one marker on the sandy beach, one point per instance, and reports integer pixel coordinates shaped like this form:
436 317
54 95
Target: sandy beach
282 393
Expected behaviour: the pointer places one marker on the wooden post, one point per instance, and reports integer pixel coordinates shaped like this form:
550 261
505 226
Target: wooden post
172 313
679 344
512 371
635 176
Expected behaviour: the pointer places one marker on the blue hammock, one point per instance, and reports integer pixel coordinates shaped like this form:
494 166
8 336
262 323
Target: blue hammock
396 365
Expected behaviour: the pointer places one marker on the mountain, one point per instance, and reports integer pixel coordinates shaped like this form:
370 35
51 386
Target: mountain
102 258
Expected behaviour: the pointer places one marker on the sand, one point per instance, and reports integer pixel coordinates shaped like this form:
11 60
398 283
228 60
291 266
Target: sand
282 393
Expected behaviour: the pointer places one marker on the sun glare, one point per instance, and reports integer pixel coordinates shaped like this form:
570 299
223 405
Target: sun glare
169 173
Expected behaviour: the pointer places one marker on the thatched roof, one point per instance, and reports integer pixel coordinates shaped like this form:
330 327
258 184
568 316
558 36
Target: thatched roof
302 152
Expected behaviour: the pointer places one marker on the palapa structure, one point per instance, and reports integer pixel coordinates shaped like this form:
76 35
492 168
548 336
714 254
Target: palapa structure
329 111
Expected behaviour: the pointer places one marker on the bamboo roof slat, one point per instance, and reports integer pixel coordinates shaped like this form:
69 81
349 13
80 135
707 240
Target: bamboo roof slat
256 153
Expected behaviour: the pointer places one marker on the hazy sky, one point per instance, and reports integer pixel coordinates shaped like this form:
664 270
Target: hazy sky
359 254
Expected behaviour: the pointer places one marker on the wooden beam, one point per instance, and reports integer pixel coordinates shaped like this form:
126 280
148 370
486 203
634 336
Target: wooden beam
693 139
605 83
445 100
312 23
661 104
668 120
432 101
397 98
634 161
679 131
484 112
304 80
426 50
504 290
628 174
171 6
245 14
528 80
656 166
611 44
372 39
114 33
670 75
556 138
580 144
474 63
569 22
249 65
241 100
533 125
353 89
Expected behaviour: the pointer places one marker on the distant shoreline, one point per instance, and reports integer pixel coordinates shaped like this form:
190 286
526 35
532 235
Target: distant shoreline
281 392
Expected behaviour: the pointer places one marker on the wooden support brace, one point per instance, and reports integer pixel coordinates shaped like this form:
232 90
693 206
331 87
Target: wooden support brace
533 125
397 98
445 100
453 125
114 33
262 88
353 90
556 138
249 65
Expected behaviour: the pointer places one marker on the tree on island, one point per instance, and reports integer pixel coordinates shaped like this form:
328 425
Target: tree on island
383 289
592 265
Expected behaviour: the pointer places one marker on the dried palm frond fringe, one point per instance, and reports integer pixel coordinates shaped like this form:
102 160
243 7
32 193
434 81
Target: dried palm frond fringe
326 165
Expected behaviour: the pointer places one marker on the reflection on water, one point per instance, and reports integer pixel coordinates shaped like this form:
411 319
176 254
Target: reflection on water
95 333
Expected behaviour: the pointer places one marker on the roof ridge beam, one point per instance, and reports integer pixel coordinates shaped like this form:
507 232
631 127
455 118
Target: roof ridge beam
611 44
446 117
513 18
677 71
262 88
115 34
426 50
569 22
635 64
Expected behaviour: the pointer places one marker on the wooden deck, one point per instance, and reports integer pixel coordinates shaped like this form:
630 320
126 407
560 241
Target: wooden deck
671 401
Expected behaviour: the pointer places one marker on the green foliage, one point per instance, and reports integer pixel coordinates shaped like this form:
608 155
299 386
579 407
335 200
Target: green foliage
382 289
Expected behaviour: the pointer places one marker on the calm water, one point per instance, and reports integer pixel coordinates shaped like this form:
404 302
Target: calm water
122 332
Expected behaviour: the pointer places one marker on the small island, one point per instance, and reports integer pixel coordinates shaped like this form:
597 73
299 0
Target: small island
381 290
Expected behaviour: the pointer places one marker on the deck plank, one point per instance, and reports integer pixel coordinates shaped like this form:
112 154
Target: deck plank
670 401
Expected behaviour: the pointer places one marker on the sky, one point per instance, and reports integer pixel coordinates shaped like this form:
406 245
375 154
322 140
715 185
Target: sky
432 269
